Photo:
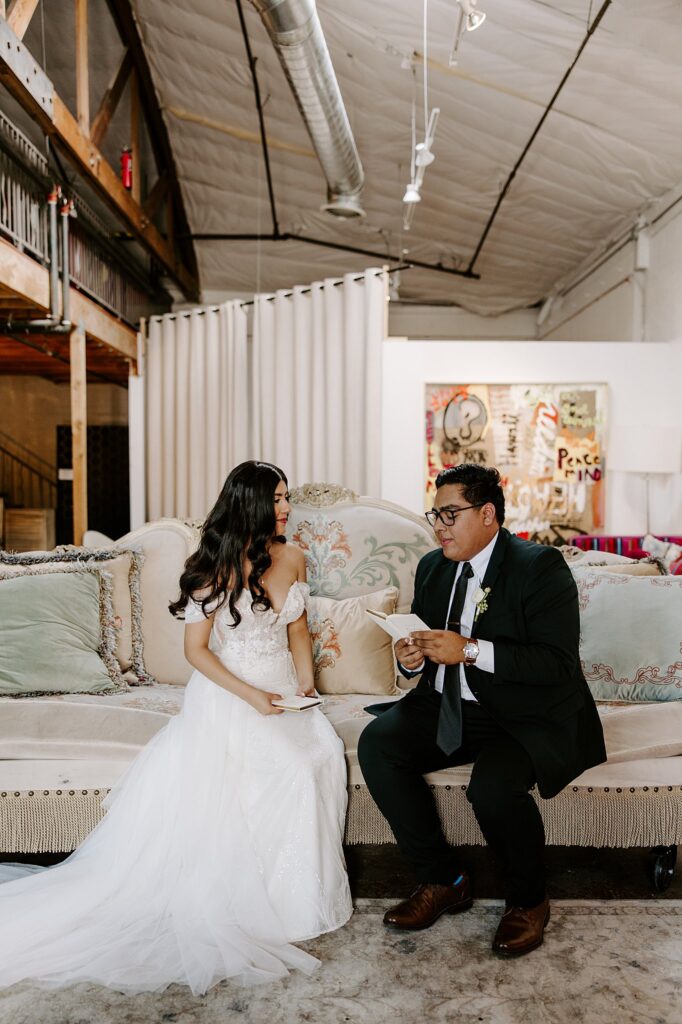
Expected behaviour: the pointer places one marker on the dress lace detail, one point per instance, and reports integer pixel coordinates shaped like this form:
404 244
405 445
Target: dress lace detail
221 845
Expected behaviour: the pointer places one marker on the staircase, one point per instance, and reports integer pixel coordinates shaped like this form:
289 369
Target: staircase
27 481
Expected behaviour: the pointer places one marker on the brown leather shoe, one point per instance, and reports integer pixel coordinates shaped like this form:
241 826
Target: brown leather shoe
521 929
427 903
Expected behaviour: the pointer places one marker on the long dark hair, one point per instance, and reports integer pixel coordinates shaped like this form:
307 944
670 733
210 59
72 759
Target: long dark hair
241 523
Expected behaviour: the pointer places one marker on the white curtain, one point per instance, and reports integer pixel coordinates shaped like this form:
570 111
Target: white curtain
316 381
197 407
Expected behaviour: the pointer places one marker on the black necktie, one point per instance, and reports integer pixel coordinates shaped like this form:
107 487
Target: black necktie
449 734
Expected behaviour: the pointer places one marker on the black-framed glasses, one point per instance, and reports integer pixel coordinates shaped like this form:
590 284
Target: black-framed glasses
447 516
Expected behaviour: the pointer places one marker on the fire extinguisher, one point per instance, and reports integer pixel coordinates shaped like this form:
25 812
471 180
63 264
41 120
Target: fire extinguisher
127 167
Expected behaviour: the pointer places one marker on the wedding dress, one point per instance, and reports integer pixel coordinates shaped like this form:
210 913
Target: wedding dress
221 845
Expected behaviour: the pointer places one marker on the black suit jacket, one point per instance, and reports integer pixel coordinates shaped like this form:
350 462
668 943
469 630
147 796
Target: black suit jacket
537 692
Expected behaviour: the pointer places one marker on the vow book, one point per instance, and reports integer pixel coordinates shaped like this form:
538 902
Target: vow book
397 626
295 703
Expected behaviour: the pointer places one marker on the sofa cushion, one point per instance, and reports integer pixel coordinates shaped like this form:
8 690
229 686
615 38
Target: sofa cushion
350 652
125 568
57 632
631 636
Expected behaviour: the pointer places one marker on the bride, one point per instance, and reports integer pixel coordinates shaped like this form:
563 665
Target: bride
221 845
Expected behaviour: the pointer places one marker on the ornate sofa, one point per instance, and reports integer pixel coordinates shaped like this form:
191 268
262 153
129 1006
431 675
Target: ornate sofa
59 755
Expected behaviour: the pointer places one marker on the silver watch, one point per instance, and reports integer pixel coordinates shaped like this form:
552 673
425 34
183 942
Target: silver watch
470 652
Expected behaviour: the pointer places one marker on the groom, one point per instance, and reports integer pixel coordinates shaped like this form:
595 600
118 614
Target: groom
501 686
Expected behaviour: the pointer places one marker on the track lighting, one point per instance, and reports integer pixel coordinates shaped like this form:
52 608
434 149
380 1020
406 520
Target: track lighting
468 20
474 18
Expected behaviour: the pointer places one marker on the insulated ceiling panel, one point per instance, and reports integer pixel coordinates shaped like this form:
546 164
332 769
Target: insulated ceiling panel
610 146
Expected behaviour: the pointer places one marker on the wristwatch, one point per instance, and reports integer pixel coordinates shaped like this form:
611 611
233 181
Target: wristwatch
470 652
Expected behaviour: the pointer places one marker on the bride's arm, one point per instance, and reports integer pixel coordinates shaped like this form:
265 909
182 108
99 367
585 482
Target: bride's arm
300 643
205 661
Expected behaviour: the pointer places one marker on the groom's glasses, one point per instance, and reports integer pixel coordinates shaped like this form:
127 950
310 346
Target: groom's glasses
447 516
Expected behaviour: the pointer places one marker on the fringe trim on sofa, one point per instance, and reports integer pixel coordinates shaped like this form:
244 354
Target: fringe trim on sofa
578 816
56 821
48 821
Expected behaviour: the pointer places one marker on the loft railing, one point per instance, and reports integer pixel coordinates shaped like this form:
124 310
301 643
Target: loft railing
95 265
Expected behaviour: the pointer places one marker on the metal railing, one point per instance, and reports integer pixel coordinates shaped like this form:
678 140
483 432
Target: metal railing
95 265
26 479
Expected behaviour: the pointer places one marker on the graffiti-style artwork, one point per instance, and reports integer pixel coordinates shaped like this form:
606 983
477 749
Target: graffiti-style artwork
547 440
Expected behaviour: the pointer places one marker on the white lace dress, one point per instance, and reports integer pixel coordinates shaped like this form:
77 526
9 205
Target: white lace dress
221 845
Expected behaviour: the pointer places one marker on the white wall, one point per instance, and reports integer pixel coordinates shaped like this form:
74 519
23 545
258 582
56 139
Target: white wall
643 384
629 296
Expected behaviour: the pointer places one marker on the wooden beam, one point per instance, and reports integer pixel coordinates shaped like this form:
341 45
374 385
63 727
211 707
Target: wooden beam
79 433
111 99
135 135
56 120
30 281
128 27
19 16
82 66
156 195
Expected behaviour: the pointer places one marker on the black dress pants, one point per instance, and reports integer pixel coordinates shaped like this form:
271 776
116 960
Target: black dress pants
399 747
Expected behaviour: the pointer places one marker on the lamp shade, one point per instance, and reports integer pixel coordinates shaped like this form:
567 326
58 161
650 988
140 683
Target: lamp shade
645 449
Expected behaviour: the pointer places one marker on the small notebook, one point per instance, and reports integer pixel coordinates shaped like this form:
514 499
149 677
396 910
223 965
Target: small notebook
397 626
295 703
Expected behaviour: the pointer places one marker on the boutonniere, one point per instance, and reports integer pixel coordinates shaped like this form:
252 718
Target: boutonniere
481 598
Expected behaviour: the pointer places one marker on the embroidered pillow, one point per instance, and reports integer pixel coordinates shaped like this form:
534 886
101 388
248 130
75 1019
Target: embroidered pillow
57 633
351 654
631 636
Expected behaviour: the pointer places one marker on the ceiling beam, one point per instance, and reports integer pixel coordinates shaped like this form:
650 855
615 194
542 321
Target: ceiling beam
129 32
111 99
82 66
29 280
35 92
19 16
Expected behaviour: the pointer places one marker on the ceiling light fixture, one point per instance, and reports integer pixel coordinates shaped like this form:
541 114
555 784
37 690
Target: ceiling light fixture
468 20
421 155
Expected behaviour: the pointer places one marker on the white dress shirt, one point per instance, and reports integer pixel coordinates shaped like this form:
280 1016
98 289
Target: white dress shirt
486 650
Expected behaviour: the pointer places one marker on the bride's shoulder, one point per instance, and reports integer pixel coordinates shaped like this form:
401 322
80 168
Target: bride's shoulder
296 558
289 554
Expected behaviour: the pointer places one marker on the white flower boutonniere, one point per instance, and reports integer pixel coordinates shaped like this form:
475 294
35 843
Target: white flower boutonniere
481 598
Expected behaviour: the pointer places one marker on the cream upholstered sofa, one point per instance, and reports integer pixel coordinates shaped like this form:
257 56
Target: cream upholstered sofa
59 755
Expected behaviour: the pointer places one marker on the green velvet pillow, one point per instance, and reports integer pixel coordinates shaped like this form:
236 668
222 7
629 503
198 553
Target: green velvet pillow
57 633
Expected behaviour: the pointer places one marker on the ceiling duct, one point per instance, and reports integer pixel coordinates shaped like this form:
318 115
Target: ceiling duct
295 30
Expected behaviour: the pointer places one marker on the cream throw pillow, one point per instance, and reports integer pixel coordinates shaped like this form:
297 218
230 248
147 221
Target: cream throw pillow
352 654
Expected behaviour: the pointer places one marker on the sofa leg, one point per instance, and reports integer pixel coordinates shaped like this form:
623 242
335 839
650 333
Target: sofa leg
663 866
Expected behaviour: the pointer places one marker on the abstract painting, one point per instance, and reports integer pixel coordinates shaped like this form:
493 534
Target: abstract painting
547 440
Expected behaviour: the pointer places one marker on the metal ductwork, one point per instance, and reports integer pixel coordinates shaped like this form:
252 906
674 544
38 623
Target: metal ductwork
295 30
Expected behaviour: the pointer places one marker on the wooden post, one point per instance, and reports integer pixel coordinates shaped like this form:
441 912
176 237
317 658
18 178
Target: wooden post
82 65
135 134
79 433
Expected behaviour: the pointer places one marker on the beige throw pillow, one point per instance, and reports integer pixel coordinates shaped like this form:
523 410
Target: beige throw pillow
351 653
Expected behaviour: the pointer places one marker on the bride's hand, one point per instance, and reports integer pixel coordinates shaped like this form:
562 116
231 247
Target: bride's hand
306 691
262 702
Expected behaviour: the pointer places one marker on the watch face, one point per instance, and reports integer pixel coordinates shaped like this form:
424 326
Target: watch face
471 651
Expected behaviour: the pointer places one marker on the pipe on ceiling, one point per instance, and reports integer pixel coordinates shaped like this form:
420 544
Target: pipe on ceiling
296 33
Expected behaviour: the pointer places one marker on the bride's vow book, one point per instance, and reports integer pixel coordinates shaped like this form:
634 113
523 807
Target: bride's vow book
397 626
295 703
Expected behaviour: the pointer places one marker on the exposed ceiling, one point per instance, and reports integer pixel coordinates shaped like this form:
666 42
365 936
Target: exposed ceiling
612 143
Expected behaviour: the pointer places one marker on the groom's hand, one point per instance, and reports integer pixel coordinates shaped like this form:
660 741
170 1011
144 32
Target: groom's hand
442 646
408 655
